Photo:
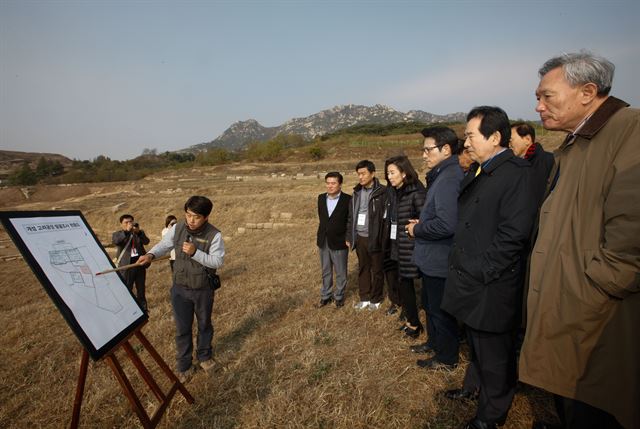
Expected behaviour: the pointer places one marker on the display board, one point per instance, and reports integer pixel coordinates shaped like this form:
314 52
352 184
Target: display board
65 254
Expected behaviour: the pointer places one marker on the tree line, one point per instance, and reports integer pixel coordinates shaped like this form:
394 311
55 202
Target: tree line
104 169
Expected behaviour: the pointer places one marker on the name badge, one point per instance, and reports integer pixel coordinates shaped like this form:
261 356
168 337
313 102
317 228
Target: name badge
362 218
394 230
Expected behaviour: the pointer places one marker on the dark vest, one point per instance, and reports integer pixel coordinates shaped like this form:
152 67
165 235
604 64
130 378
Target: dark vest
186 271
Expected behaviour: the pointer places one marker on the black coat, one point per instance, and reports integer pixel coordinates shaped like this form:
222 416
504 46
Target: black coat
487 259
124 240
541 165
333 229
408 203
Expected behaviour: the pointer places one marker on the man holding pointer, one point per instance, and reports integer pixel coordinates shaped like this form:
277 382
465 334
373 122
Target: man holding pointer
199 252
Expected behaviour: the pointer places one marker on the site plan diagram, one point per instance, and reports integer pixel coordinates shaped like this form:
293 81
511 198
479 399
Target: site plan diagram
70 256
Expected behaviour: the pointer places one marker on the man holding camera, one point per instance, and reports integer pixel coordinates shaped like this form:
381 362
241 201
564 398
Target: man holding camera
130 241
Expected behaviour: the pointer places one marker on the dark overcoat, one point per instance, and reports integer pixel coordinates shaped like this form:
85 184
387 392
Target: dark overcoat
541 165
487 260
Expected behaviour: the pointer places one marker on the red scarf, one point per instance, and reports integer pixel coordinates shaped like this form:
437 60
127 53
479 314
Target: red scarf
530 151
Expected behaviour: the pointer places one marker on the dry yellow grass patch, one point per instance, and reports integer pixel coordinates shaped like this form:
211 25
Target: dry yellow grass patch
281 363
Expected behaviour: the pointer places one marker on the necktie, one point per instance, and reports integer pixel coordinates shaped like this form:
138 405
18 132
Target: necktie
478 170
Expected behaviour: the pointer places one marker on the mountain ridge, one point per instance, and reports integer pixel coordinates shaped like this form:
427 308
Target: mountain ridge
242 133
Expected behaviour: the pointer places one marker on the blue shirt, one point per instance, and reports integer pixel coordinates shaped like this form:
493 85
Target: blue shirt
332 203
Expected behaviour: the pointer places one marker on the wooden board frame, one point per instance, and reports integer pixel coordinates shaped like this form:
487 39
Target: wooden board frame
6 218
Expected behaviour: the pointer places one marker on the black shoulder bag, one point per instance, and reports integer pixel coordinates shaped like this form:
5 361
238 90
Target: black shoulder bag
214 279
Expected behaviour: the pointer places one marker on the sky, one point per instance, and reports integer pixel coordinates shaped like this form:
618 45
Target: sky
86 78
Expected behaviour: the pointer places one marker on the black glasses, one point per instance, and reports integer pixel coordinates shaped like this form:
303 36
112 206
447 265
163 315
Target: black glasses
428 149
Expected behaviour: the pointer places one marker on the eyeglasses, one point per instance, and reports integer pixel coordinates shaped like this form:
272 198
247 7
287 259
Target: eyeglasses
428 149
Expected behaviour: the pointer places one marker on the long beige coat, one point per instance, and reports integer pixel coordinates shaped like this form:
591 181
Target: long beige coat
583 323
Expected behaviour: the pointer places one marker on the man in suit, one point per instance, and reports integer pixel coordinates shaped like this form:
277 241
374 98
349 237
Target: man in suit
333 212
487 260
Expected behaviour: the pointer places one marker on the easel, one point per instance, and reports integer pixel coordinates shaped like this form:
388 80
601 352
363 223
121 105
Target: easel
112 361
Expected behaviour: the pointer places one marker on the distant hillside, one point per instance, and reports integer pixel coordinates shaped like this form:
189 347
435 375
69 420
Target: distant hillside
239 134
12 160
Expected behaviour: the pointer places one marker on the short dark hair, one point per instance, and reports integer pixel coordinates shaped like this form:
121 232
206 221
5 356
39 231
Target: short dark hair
168 220
333 174
365 163
492 119
523 129
442 136
126 216
461 147
199 205
404 165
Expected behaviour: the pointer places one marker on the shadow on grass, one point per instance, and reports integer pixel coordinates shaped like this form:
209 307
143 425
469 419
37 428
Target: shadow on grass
229 273
221 399
454 414
234 340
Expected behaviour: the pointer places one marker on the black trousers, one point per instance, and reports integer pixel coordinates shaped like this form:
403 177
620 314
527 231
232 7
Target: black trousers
575 414
442 328
493 370
370 275
408 297
393 282
137 276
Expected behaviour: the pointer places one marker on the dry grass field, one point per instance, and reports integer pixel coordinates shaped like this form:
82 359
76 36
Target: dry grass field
281 363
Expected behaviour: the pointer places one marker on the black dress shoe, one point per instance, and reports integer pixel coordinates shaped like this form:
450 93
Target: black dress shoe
434 363
461 395
479 424
339 303
421 348
413 332
323 302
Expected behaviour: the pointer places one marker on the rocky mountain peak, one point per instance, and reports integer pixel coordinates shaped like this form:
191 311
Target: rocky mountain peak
241 133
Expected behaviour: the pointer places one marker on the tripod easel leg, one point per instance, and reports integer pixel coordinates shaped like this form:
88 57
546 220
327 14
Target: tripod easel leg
82 378
163 365
128 391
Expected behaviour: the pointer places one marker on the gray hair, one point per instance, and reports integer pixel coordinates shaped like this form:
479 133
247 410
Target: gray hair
582 68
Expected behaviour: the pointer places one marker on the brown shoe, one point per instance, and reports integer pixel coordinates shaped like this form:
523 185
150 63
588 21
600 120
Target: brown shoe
185 376
207 364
